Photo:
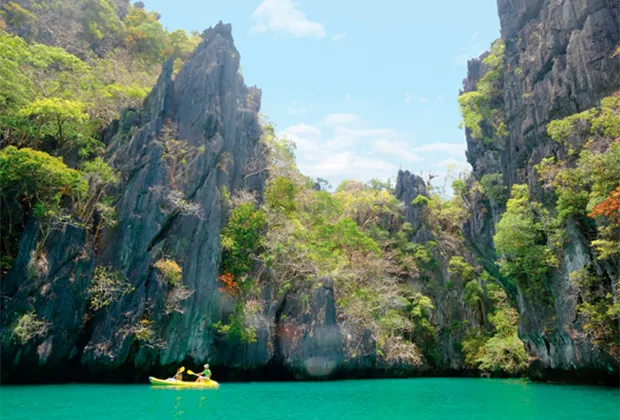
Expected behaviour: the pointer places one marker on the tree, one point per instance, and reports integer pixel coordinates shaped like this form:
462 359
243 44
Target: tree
241 238
610 207
280 194
37 177
101 21
31 71
62 119
482 108
182 45
521 240
146 36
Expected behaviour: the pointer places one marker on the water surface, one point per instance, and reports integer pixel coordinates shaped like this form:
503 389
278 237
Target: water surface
424 398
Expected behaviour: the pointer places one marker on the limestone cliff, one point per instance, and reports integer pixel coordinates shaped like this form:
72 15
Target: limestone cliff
161 212
559 60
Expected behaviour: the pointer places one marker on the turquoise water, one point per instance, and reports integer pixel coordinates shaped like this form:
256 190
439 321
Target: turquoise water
431 398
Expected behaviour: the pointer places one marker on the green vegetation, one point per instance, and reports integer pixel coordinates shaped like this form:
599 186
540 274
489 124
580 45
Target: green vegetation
501 350
37 179
522 241
420 200
493 187
29 326
599 309
107 287
241 240
603 121
586 182
238 324
468 275
494 347
54 101
143 331
170 270
482 108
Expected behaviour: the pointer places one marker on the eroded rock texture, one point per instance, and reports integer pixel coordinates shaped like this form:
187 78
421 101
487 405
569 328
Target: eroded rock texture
162 212
559 61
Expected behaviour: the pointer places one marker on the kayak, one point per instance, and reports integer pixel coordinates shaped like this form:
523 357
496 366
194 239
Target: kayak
210 384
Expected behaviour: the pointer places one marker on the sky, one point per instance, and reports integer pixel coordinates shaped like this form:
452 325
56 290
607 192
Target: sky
363 87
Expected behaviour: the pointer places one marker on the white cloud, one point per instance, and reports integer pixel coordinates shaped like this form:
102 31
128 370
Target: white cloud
347 146
338 37
454 149
348 165
343 146
294 109
423 100
341 119
398 149
281 17
304 130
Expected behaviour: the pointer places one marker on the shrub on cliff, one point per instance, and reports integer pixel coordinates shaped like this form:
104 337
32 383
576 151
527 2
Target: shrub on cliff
586 182
170 270
242 238
29 326
499 350
36 178
521 240
482 108
107 287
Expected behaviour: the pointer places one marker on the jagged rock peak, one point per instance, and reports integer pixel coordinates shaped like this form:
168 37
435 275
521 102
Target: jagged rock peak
409 185
224 30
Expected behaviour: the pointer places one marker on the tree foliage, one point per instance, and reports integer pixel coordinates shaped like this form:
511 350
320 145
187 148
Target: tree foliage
37 177
170 270
107 286
586 182
501 350
242 238
482 108
29 326
521 239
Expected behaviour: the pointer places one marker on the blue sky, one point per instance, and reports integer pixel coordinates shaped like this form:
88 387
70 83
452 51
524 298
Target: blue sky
363 87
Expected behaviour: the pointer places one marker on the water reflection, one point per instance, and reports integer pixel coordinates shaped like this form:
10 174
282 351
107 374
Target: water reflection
185 402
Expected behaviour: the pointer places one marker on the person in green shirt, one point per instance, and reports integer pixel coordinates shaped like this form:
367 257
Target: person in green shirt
205 375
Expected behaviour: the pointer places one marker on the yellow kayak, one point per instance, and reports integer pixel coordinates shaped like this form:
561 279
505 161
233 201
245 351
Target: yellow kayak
210 384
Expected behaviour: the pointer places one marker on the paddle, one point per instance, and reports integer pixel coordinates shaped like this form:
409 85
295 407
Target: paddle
192 373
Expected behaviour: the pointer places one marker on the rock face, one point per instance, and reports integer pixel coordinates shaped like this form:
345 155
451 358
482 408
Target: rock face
176 212
309 342
559 61
178 216
452 318
162 212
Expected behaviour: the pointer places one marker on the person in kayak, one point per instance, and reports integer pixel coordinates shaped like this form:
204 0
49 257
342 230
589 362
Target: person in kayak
205 375
178 376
